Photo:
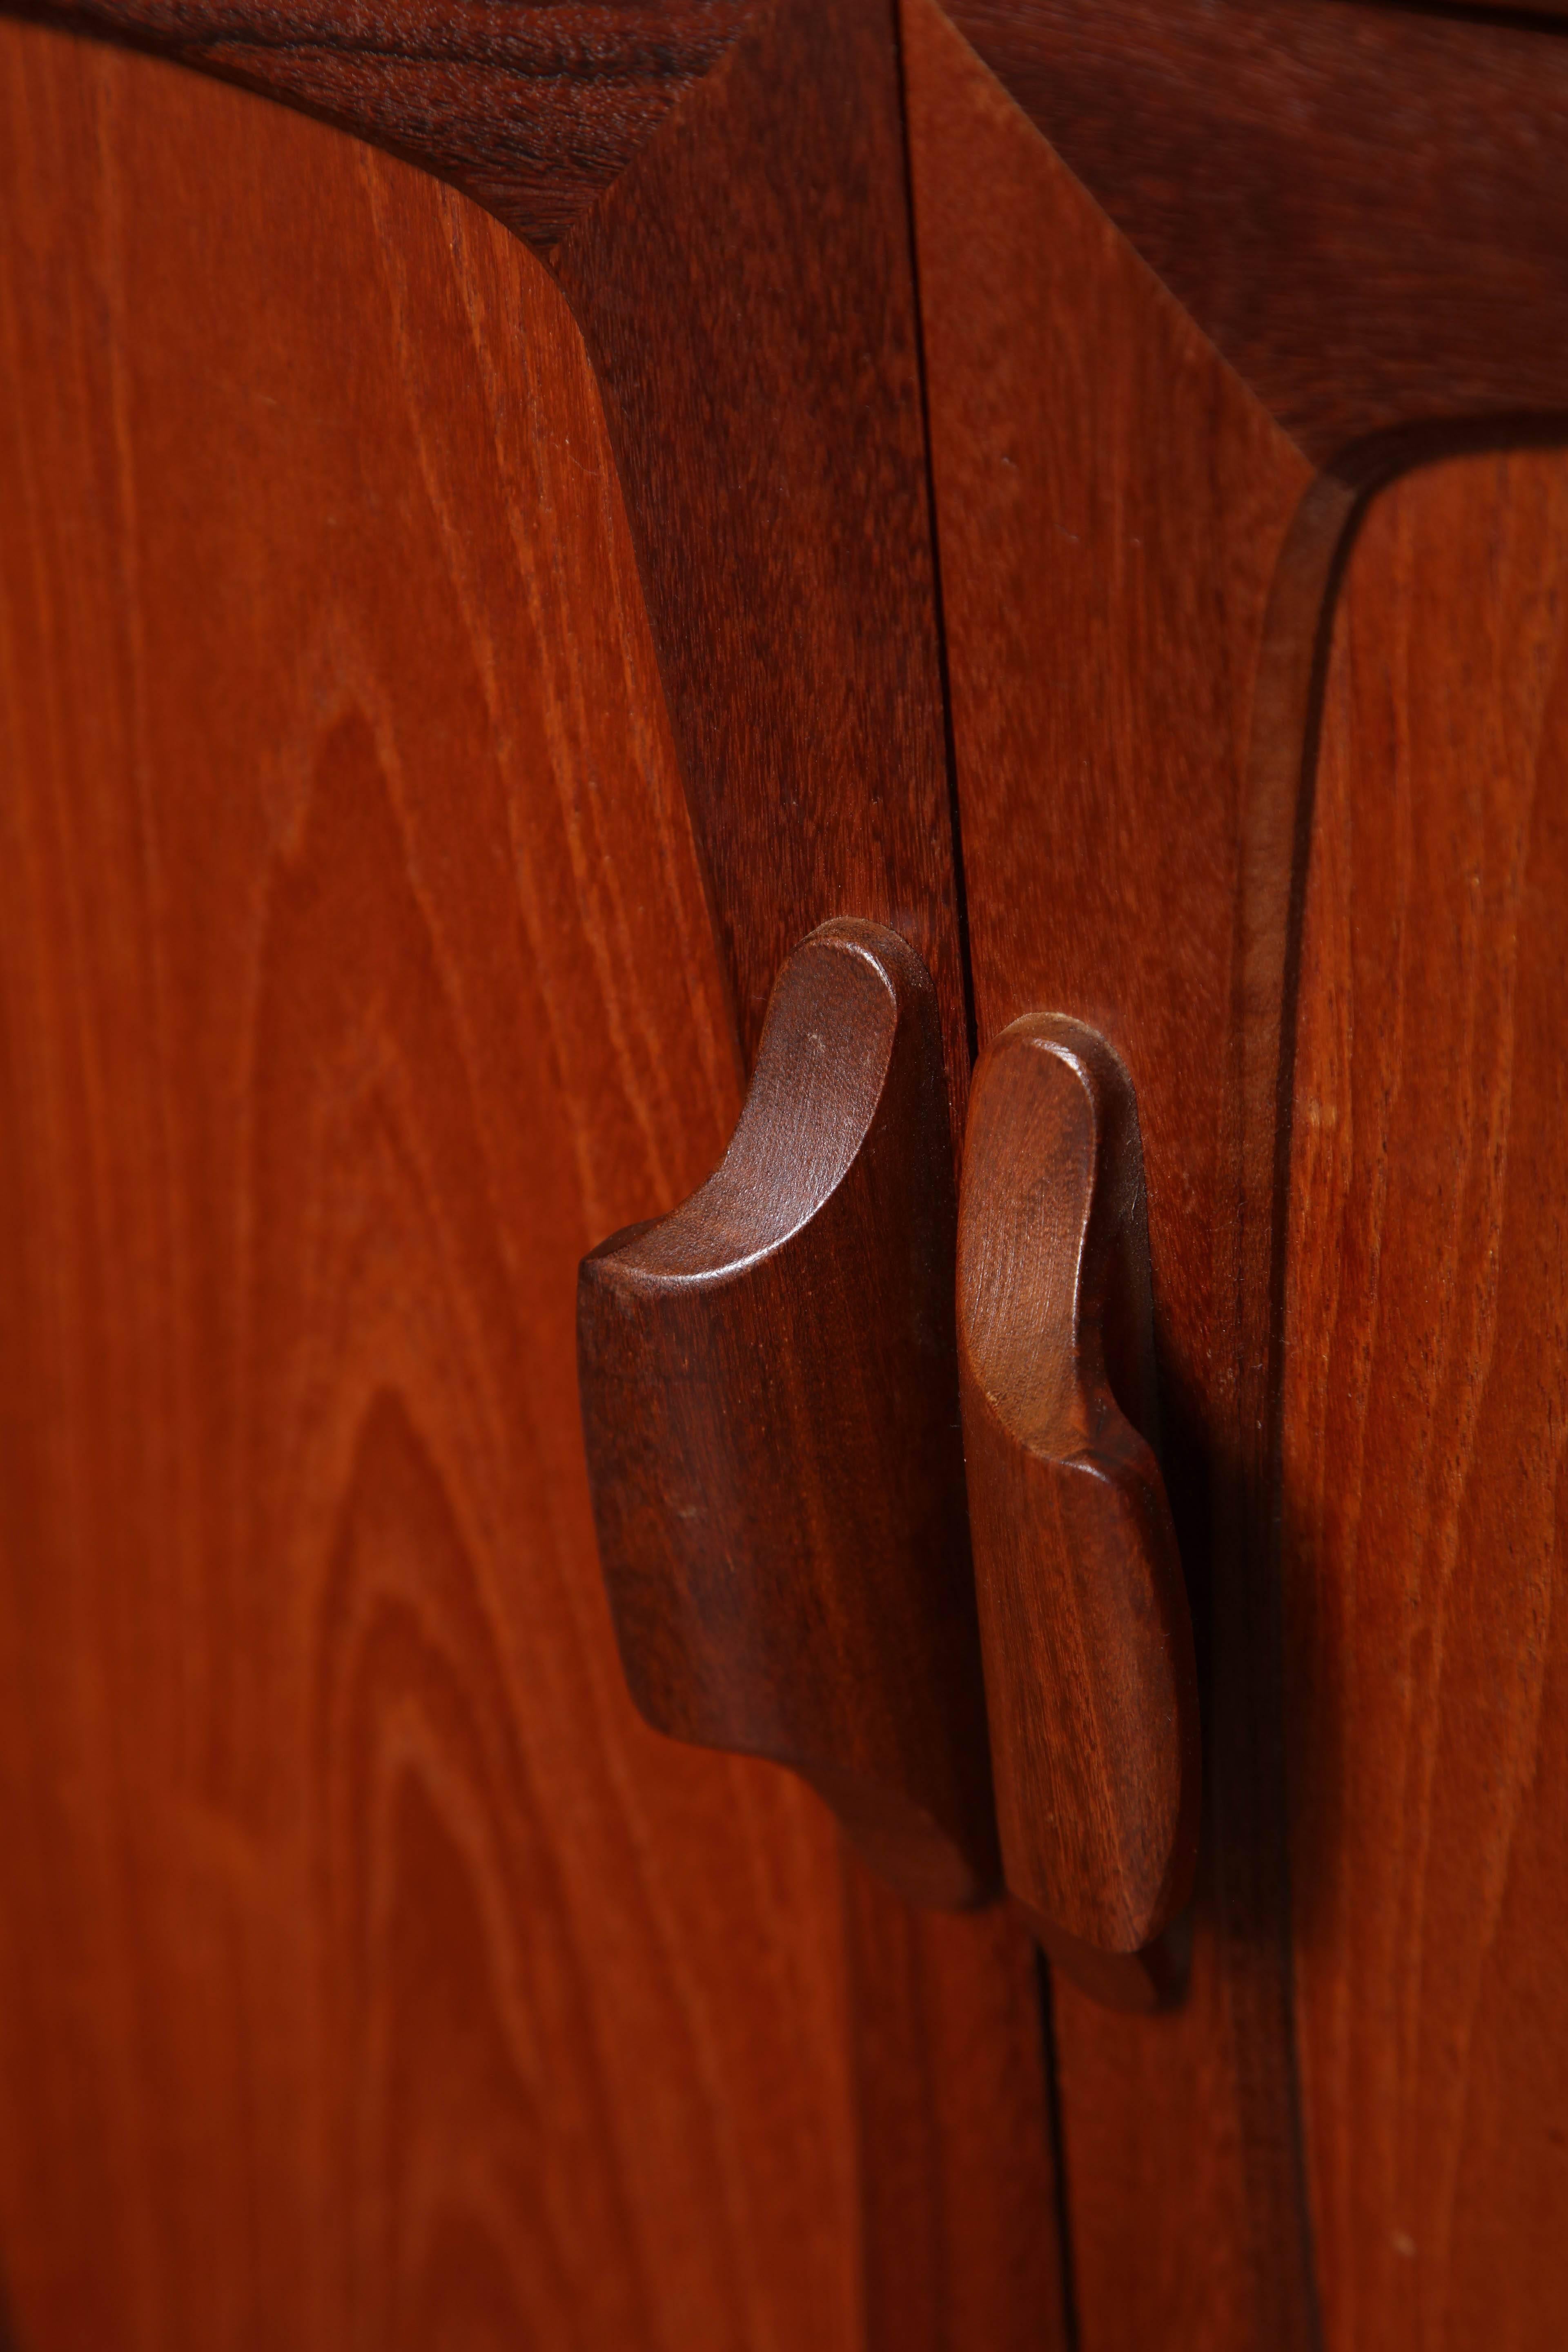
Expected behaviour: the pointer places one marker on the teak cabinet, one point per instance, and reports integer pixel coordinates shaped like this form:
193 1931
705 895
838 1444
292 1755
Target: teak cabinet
485 572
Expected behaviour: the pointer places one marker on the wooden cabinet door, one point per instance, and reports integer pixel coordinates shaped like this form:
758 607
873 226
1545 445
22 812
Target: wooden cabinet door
1424 1423
369 1974
1255 704
456 639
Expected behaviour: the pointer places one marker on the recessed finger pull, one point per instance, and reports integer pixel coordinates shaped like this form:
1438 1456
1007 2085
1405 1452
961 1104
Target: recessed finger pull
1085 1629
769 1405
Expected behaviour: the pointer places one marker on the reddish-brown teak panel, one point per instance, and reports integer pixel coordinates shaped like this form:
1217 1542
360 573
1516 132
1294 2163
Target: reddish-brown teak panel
368 1969
369 1974
722 192
1425 1426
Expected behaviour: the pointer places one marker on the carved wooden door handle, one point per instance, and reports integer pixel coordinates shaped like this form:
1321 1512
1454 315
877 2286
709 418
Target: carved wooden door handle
1087 1642
769 1405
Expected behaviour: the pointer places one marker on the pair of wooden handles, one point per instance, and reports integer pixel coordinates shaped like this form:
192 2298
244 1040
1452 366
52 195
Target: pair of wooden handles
772 1382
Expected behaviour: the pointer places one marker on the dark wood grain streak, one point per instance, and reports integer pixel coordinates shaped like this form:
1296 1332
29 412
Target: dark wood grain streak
1090 1678
530 106
1425 1426
1363 208
1531 12
769 1387
370 1973
1134 562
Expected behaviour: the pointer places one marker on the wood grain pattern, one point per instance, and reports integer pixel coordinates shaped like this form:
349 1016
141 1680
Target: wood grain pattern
744 282
1134 558
1090 1676
960 2249
1361 206
1425 1426
745 285
532 107
769 1385
368 1970
370 1977
746 291
755 263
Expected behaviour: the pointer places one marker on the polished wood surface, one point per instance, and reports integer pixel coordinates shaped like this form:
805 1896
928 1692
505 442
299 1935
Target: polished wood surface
1090 1675
1425 1426
368 1973
746 291
960 2248
1360 206
532 107
769 1383
261 1022
744 281
1134 561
